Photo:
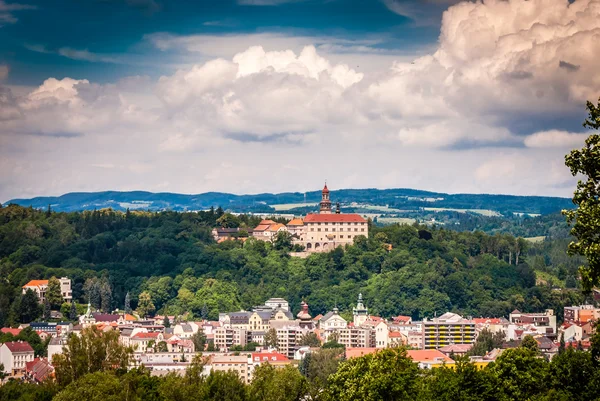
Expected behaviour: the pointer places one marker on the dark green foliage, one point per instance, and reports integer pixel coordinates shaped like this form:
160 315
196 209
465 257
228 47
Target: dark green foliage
487 341
171 257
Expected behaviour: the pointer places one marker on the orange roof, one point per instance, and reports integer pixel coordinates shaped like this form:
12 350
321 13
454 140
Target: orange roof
266 222
428 355
36 283
401 318
275 227
334 218
296 222
6 330
395 334
358 352
269 357
129 317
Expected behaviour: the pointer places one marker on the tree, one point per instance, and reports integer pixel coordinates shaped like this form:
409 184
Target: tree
97 386
73 313
106 296
519 373
561 347
46 313
166 321
487 341
283 241
387 375
310 339
225 386
54 293
145 305
530 343
271 384
127 305
586 217
271 338
91 288
199 340
29 307
2 374
92 351
162 347
204 311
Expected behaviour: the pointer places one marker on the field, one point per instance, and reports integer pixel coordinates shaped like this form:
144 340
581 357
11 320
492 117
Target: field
289 206
394 220
535 239
483 212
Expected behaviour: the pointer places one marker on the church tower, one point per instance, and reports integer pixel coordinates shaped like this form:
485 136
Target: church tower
361 313
325 205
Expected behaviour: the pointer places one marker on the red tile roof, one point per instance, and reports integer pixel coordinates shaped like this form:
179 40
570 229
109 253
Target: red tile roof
490 320
402 318
36 283
6 330
18 346
395 334
358 352
334 218
296 222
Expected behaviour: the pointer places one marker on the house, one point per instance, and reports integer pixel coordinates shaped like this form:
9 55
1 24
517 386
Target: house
55 347
141 341
44 327
430 358
357 337
41 286
38 370
222 234
332 321
296 228
14 355
581 313
400 319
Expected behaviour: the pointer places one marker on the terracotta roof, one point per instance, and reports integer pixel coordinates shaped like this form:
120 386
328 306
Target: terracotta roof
458 348
358 352
36 283
296 222
269 357
18 346
6 330
129 317
146 335
325 189
401 318
275 227
395 334
428 355
334 218
39 369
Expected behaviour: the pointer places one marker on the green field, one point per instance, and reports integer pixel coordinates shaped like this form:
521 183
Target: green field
394 220
483 212
289 206
535 239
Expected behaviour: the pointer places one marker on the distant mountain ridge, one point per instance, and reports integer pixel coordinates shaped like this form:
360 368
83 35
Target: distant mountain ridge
399 199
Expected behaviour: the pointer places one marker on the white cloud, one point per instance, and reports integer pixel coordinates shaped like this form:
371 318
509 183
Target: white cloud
555 139
7 11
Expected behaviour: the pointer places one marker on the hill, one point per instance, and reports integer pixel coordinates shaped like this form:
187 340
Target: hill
392 201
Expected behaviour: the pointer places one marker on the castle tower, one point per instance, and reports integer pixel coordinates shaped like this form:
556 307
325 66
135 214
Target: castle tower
325 205
361 313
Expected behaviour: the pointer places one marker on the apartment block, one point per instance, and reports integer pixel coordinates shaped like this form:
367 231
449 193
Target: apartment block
448 329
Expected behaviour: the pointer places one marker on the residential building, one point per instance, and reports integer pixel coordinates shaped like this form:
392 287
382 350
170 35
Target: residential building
581 313
38 370
456 349
447 329
41 286
522 324
238 364
288 338
278 303
357 337
221 234
226 337
14 355
267 230
55 347
296 228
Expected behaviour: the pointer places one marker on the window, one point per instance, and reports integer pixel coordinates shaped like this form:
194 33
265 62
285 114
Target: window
318 229
362 229
356 229
326 229
333 229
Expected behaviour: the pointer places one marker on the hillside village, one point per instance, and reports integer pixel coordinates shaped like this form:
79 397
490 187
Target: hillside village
242 340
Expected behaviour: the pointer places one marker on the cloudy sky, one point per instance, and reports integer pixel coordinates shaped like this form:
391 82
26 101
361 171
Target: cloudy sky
250 96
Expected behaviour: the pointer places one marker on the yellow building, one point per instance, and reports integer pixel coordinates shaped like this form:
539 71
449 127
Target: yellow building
448 329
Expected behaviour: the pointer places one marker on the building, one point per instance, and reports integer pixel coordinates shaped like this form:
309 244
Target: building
448 329
267 230
429 359
326 230
304 317
41 286
288 337
360 313
226 337
238 364
222 233
332 321
278 303
14 355
296 228
55 347
38 370
357 337
522 324
581 313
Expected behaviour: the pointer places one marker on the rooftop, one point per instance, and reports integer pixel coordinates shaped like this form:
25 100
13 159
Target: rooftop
334 218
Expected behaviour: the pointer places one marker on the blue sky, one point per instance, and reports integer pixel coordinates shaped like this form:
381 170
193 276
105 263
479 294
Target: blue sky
253 96
118 30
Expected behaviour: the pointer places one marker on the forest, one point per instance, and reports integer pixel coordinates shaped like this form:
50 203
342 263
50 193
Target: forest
400 269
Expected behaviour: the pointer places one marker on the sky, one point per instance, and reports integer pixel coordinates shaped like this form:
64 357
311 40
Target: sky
251 96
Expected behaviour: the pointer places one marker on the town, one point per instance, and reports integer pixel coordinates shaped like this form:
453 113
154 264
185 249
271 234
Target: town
271 333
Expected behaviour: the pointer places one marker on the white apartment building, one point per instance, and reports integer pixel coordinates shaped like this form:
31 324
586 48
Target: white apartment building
41 286
14 355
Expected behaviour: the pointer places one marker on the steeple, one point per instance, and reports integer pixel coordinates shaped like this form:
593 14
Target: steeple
325 205
361 313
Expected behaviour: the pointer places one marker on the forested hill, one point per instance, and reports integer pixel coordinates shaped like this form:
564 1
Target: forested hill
173 257
395 199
